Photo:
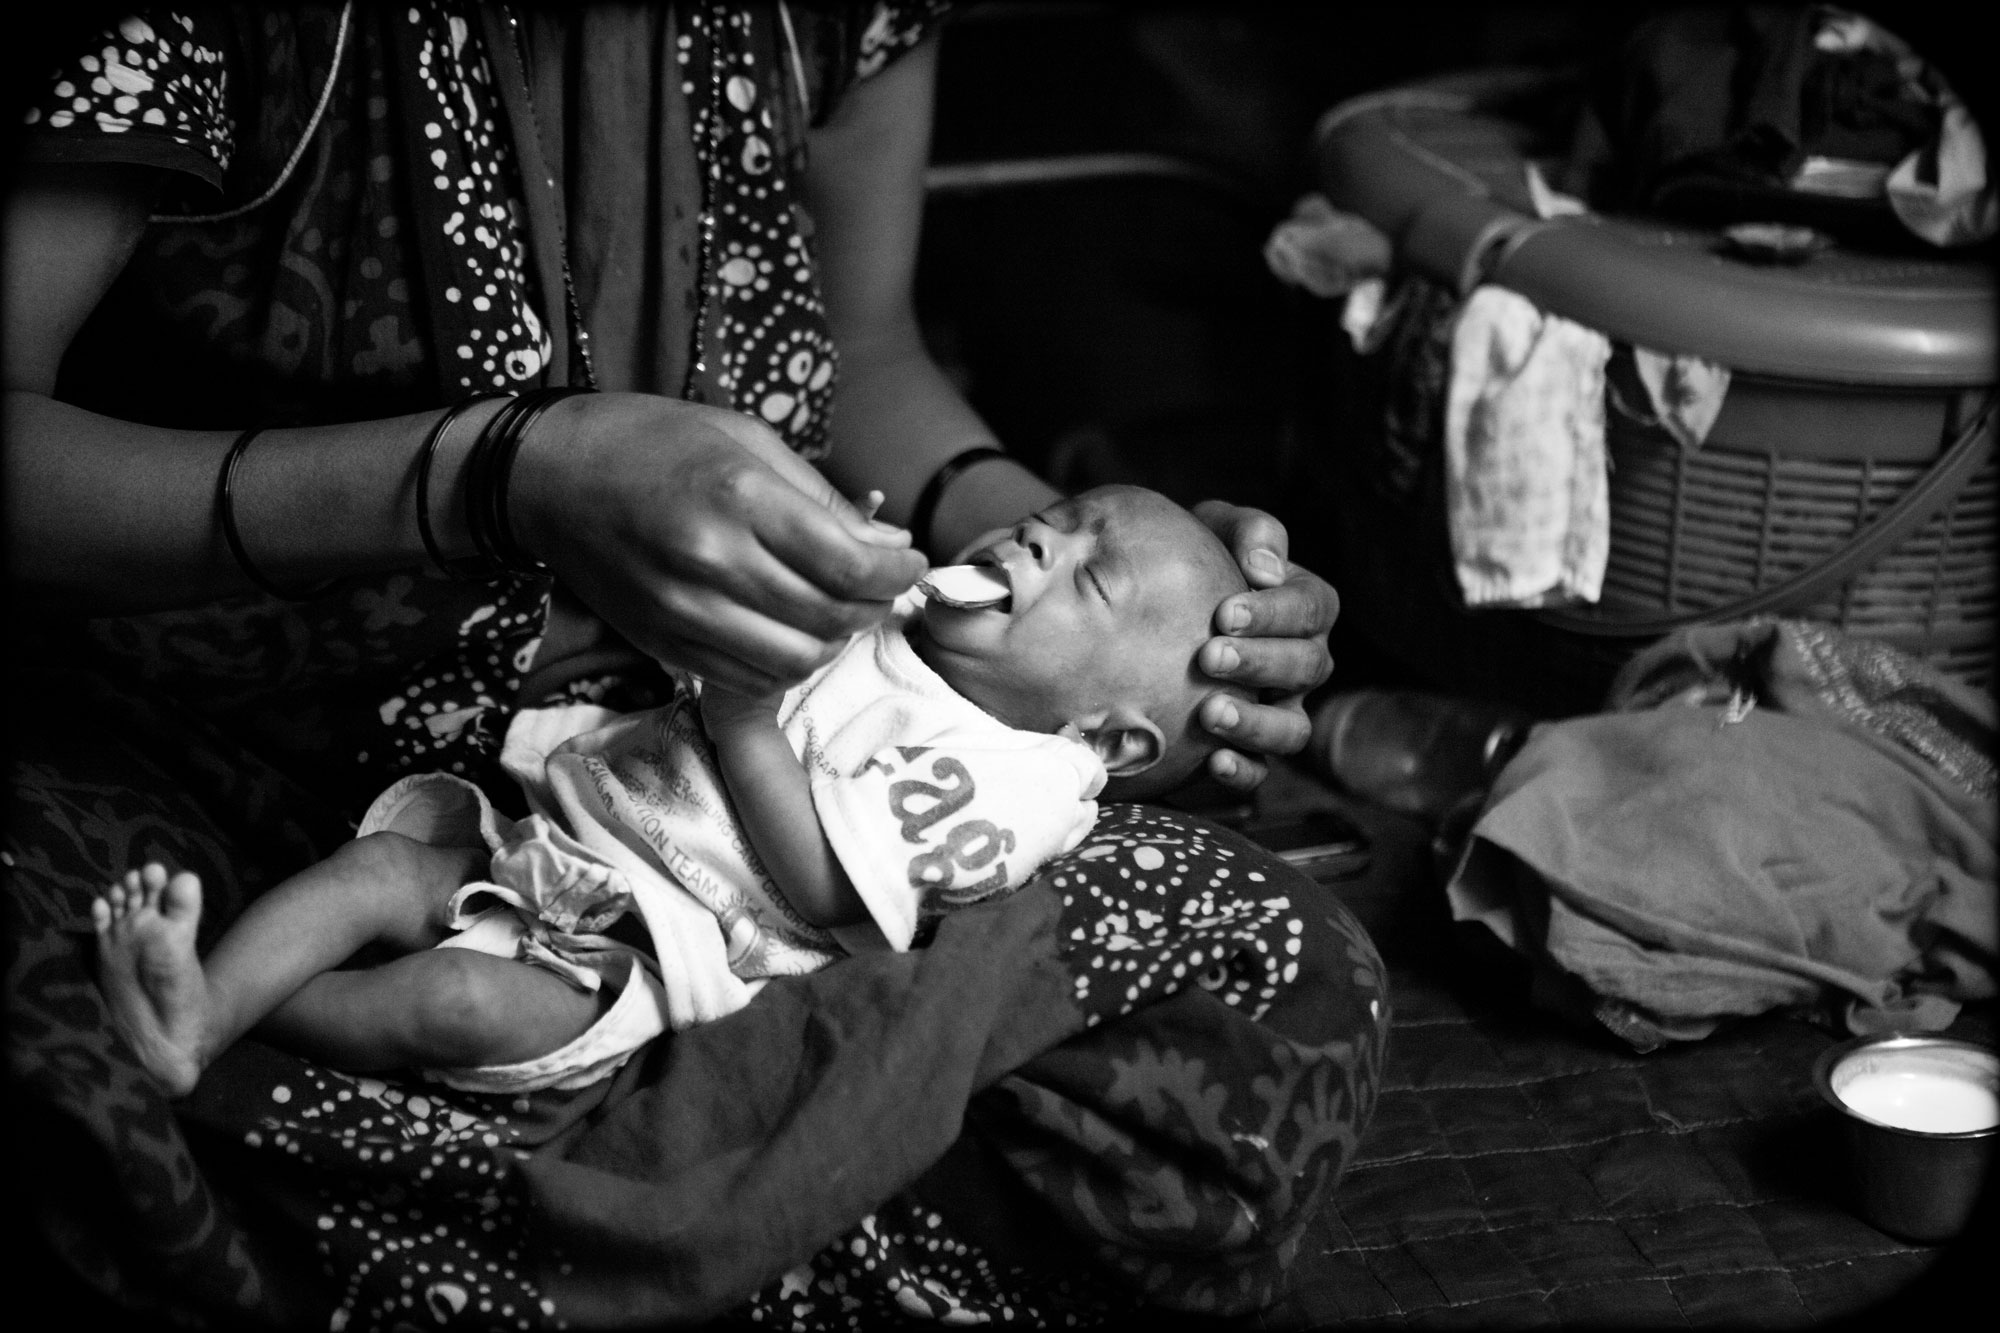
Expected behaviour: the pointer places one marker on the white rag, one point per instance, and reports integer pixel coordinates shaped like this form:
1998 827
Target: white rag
1527 500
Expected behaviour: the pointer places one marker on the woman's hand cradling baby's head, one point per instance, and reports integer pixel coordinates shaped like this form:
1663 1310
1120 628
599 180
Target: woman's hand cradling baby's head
1271 640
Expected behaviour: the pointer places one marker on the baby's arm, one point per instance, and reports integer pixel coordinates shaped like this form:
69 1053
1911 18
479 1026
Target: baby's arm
773 797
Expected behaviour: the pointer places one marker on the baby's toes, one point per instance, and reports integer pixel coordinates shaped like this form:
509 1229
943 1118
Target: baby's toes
154 879
100 914
180 898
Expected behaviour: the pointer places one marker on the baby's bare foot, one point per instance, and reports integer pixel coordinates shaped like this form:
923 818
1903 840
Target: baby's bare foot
150 973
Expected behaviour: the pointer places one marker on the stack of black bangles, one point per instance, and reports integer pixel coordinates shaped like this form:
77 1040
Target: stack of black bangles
487 469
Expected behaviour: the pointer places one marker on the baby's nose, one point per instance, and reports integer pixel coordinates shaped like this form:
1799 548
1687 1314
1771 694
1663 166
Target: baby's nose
1035 539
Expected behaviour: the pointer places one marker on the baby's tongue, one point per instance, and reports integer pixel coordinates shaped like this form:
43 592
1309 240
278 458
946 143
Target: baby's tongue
967 587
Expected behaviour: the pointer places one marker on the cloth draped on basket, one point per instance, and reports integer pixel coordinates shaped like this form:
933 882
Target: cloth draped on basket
1520 403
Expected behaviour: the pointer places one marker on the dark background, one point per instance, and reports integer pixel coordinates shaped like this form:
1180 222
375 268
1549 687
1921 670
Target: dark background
1127 329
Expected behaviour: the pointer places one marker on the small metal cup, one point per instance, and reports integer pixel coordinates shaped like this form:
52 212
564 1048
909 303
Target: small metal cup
1919 1184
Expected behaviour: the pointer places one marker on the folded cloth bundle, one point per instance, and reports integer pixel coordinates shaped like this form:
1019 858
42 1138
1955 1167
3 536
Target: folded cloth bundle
1326 251
1770 815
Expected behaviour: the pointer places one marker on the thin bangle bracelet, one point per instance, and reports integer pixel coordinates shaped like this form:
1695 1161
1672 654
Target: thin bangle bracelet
225 506
470 566
924 513
505 449
487 471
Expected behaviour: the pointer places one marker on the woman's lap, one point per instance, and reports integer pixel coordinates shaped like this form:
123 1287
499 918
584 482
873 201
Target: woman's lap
1121 1126
102 778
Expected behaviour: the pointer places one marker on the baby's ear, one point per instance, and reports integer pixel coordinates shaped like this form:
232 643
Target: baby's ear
1123 736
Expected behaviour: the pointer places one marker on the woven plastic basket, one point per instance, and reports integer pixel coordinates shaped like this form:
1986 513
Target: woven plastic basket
1850 477
1725 531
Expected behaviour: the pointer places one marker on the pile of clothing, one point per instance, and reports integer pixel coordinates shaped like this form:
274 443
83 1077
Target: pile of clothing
1768 814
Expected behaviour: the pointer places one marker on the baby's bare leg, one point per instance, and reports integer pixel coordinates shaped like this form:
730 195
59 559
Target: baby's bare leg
179 1011
440 1008
384 888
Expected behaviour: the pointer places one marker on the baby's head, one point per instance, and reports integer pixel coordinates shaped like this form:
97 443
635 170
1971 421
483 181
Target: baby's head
1113 591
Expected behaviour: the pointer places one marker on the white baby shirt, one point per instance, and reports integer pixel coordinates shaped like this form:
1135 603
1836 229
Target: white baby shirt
928 801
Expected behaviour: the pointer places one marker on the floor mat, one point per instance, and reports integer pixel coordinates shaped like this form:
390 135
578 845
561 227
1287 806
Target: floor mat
1519 1171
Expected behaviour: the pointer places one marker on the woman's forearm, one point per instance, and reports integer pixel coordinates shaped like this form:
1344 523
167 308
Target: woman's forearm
898 419
104 516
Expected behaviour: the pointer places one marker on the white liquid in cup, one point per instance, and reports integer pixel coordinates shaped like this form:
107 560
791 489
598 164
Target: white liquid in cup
1927 1092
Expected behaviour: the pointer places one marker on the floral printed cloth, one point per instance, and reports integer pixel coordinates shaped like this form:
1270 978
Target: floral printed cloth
1133 1084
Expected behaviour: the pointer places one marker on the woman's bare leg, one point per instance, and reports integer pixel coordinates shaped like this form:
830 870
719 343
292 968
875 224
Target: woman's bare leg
179 1010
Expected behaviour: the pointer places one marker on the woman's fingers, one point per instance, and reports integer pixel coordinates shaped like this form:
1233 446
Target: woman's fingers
1283 666
1238 772
776 552
835 552
718 639
762 443
1278 727
1270 640
757 620
811 529
1304 606
705 541
1258 541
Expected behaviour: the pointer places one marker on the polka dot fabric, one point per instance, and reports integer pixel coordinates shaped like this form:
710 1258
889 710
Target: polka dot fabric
451 716
1164 921
406 1193
766 340
387 274
491 336
766 346
144 79
904 1266
1158 907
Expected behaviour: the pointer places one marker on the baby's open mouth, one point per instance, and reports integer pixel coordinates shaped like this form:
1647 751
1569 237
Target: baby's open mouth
968 587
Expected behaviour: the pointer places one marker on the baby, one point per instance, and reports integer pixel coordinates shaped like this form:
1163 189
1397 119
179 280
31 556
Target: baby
936 762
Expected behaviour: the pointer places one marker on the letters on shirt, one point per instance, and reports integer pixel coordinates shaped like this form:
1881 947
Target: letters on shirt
967 846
